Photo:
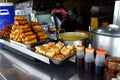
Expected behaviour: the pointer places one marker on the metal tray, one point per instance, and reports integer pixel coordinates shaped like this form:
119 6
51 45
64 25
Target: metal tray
32 54
21 44
27 45
57 62
4 38
24 51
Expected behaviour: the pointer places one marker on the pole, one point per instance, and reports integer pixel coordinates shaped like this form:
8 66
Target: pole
56 26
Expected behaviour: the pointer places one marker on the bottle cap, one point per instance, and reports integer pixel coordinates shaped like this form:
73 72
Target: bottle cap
80 46
101 51
89 49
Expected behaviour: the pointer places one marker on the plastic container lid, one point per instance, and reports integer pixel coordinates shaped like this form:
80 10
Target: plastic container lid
6 4
80 46
89 49
101 51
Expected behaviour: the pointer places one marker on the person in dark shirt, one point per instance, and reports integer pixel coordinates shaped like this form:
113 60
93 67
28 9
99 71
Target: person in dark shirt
59 12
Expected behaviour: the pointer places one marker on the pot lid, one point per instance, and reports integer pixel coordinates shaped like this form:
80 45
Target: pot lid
111 30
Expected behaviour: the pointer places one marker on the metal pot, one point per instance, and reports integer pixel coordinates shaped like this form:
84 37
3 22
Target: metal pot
109 37
74 38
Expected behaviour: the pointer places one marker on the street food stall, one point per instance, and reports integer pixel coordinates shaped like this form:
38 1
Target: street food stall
31 49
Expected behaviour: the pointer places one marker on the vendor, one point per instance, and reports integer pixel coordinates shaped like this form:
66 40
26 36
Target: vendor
59 12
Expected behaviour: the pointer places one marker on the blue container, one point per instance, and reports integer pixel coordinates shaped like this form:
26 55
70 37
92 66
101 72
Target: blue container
6 14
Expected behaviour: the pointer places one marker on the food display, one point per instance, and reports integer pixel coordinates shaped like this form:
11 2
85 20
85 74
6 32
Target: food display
5 32
112 67
37 29
24 32
56 51
29 33
21 31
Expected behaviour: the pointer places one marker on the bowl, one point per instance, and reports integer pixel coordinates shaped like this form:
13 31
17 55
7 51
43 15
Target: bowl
74 38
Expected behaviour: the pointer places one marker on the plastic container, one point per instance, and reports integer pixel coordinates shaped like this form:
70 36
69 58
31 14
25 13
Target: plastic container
100 61
6 14
80 50
89 59
80 56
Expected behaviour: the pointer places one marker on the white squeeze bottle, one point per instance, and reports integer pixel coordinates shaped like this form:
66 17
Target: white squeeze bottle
100 61
89 59
80 53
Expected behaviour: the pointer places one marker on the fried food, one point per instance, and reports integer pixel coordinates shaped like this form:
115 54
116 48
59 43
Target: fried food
64 51
27 34
20 22
70 46
56 51
20 18
31 41
58 57
28 38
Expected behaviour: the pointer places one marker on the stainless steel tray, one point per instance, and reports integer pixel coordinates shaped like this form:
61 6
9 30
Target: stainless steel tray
27 45
32 54
7 39
57 62
21 44
25 51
